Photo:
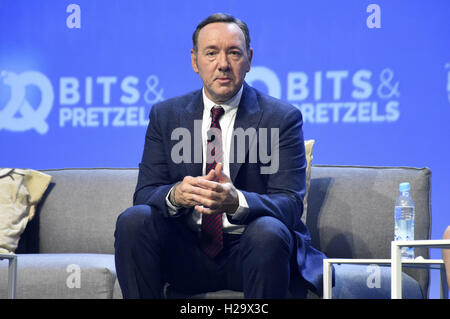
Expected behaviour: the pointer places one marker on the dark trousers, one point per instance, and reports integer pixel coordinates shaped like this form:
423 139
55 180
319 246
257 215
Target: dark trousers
151 250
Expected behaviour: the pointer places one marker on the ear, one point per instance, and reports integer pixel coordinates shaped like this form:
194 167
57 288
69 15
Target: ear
194 61
250 57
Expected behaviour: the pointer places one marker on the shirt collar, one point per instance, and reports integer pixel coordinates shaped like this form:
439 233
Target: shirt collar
229 105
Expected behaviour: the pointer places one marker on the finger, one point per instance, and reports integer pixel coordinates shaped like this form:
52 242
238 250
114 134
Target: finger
211 175
190 186
184 193
219 167
201 209
206 202
206 210
223 178
189 180
186 200
207 193
187 184
211 185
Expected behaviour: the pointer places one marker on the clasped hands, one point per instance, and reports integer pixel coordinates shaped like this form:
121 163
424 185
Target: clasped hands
206 195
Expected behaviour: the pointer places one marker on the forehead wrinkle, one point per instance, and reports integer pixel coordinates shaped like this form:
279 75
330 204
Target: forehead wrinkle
213 33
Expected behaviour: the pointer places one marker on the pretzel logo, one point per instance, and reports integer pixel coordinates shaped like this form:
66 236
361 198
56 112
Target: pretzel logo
19 115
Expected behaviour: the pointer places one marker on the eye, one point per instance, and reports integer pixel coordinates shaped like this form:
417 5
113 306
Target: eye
235 55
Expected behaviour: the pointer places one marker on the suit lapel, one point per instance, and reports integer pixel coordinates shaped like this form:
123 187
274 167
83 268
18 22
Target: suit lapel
191 119
248 115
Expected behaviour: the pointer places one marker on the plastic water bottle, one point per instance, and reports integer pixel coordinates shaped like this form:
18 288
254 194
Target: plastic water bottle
404 219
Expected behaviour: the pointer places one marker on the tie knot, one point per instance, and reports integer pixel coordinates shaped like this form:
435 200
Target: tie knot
216 112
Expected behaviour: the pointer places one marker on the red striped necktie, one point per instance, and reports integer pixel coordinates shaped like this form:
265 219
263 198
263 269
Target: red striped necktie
212 228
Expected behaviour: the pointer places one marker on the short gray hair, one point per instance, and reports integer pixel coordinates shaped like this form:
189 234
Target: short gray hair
222 17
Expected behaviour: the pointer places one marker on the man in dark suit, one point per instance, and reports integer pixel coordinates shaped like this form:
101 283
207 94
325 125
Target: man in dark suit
221 185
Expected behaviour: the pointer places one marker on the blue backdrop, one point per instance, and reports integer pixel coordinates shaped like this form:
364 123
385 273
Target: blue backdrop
78 78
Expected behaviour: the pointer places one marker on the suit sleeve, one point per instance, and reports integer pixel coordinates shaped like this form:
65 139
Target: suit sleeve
286 185
153 183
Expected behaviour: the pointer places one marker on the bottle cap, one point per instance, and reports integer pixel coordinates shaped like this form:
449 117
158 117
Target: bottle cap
404 187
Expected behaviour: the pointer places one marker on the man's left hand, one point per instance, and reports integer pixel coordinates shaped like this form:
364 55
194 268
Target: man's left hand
217 197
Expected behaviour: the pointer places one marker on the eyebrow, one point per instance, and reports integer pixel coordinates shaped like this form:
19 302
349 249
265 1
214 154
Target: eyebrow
214 47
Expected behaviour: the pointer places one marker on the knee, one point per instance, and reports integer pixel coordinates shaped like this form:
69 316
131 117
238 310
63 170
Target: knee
268 236
132 220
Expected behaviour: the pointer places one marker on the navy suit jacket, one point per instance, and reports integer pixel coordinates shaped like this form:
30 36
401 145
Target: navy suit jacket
279 195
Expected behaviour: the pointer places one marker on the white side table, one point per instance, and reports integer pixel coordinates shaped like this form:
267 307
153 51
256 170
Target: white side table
398 262
12 274
417 263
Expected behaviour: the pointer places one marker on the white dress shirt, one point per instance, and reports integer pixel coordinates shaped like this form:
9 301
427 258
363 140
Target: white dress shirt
226 124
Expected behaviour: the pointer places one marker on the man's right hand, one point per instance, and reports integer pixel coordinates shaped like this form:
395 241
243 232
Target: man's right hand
185 191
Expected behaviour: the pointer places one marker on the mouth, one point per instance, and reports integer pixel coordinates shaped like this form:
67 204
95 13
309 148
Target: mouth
223 79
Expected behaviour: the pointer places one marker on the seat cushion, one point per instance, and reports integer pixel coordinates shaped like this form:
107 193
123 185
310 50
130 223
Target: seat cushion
370 282
62 276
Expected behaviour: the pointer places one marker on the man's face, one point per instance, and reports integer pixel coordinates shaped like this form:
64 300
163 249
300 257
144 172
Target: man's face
221 60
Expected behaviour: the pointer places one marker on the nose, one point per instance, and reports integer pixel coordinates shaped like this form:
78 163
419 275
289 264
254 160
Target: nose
223 63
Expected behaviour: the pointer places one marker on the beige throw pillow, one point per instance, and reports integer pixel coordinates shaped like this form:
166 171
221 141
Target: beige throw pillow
20 192
308 150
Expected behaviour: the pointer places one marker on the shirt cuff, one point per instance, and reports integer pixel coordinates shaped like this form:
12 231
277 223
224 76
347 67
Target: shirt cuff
172 209
243 208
